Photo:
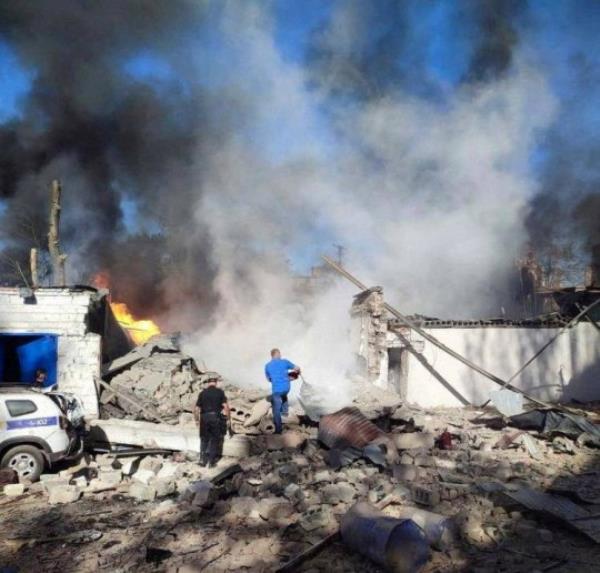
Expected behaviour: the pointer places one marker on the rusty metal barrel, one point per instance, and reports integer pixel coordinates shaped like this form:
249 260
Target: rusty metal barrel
398 545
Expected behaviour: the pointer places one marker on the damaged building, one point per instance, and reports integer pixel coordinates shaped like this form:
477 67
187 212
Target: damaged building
68 331
396 357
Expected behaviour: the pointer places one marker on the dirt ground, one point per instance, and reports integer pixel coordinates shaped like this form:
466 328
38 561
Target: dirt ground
110 531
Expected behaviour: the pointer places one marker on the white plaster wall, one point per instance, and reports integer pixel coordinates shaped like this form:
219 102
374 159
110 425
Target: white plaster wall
569 368
62 312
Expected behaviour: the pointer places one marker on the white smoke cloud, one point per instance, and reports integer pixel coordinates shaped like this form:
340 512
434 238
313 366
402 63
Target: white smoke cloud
428 198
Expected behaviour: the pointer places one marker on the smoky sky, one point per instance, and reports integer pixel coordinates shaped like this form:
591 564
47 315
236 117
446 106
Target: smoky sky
110 135
106 136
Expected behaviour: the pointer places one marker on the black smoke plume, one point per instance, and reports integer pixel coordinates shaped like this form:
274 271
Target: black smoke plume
107 136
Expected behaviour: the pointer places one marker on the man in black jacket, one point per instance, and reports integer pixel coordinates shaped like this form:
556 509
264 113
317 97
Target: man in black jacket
211 414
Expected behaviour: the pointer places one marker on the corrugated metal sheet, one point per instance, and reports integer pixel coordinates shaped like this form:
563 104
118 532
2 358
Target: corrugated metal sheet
347 427
560 508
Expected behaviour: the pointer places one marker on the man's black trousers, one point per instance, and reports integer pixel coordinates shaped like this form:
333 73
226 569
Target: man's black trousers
212 432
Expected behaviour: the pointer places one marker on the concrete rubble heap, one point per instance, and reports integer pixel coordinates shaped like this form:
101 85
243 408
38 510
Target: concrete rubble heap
454 475
157 376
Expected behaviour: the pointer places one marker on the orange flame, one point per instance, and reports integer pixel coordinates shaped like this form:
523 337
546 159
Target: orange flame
140 331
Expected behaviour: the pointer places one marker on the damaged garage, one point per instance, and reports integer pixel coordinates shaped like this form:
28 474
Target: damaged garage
68 331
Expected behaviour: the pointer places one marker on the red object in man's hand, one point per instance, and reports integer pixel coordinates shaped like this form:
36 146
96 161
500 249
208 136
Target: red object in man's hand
293 374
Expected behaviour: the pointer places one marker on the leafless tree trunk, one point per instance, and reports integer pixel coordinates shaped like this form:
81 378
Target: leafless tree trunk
33 265
57 258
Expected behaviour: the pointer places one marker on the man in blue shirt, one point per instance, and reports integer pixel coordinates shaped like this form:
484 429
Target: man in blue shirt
278 372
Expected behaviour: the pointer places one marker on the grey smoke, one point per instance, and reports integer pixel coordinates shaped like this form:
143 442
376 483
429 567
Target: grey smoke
244 158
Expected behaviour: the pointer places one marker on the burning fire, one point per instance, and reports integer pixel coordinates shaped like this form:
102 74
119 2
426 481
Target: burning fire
139 330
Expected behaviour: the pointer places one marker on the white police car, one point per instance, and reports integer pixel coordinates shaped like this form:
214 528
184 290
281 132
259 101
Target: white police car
37 429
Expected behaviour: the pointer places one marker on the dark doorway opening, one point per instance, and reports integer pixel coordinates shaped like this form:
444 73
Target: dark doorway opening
22 354
397 370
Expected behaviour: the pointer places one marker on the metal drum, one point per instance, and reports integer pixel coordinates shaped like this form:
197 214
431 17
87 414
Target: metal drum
399 545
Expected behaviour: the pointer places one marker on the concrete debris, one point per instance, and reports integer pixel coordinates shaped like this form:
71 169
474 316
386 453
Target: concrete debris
258 412
275 496
63 494
201 493
142 491
165 381
275 508
144 476
14 489
563 445
414 440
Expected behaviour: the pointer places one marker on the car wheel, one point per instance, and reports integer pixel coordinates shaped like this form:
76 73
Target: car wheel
27 461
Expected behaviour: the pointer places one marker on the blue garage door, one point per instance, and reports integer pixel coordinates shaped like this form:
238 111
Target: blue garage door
22 354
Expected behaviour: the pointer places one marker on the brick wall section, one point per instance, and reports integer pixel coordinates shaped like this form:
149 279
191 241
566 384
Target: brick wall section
62 312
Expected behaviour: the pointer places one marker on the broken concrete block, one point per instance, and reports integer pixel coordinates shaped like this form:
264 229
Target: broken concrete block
288 470
144 476
424 461
14 489
403 472
110 477
50 485
50 477
293 492
246 490
244 507
426 496
274 508
201 493
338 492
401 492
259 411
323 476
236 446
142 491
181 485
414 440
63 494
317 518
170 470
151 463
164 487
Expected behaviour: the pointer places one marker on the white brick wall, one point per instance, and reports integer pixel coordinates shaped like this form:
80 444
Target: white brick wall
78 367
57 311
62 312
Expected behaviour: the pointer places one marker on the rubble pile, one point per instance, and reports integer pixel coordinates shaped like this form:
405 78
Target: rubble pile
153 382
483 490
471 481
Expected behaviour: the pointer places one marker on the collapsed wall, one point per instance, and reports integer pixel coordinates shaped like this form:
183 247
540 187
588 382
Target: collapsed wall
154 382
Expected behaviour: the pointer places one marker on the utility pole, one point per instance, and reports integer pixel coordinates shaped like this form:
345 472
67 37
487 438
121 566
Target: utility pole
57 258
33 266
340 253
